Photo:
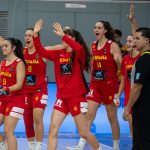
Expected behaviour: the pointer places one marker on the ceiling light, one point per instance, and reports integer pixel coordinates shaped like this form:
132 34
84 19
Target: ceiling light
75 5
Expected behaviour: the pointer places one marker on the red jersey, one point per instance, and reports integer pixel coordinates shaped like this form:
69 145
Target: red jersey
68 74
35 72
8 75
126 68
104 67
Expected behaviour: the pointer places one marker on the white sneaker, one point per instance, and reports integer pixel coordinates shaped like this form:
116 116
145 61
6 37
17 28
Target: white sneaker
74 148
100 148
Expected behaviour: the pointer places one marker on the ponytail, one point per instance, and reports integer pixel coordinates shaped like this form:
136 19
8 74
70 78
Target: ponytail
18 48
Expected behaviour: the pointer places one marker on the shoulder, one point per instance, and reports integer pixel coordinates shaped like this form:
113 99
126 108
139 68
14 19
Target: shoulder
19 61
114 48
3 62
126 57
25 49
143 60
110 42
94 44
113 44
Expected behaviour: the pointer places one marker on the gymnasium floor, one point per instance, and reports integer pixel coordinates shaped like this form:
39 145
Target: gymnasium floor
70 139
68 134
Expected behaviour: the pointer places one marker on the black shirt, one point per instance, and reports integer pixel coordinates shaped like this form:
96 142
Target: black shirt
141 108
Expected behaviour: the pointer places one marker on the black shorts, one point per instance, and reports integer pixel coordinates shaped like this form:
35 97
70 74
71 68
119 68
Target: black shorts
141 136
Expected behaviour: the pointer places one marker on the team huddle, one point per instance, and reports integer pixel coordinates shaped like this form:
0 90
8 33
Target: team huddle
23 84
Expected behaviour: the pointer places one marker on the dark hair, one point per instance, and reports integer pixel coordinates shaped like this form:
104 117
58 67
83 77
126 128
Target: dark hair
32 29
18 47
78 38
69 32
110 32
145 32
118 32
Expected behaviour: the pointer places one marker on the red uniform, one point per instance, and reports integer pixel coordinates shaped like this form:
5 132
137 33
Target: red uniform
35 72
35 87
12 103
104 79
35 84
126 69
68 74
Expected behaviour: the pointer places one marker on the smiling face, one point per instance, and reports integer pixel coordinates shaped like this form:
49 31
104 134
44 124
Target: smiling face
130 43
28 38
7 48
99 30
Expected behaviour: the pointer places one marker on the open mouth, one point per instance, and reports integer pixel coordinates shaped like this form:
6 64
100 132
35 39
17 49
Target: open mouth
28 42
96 34
134 46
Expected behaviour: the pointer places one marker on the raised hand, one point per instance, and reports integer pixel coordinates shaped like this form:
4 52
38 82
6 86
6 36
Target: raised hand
131 18
1 40
131 15
58 29
38 26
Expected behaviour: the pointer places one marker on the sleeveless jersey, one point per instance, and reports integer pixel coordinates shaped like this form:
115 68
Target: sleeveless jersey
8 75
104 67
126 68
35 72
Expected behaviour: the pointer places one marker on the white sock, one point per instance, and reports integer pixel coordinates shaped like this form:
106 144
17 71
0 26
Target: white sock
3 145
82 143
31 145
116 144
100 148
38 146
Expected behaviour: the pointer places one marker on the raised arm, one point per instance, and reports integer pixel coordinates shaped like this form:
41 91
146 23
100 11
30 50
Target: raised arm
1 40
131 18
46 53
55 47
71 42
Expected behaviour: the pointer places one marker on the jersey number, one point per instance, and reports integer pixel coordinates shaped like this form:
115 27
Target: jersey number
99 65
29 68
4 81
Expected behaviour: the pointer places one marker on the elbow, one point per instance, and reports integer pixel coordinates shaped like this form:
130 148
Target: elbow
19 87
79 50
